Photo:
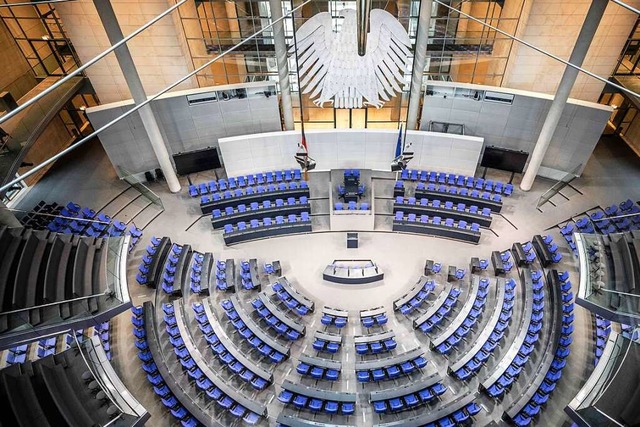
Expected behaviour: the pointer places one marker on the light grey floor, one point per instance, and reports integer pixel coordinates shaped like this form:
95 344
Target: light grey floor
612 175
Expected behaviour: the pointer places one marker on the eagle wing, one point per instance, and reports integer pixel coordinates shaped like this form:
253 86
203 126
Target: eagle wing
387 53
314 38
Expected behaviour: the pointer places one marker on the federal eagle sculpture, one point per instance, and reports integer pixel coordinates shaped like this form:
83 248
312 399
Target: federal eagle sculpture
332 71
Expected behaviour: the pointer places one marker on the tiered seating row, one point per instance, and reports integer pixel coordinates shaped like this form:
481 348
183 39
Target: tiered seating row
375 343
319 368
547 250
251 331
333 317
207 380
491 336
249 195
435 226
457 180
409 396
268 227
466 318
152 265
391 367
602 331
435 207
244 181
48 280
200 273
226 351
439 310
529 403
513 362
226 275
277 319
313 399
73 219
249 275
415 297
293 299
329 343
352 206
173 397
456 195
259 210
175 268
373 316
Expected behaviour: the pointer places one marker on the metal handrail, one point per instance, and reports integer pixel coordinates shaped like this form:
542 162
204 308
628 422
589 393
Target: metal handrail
35 307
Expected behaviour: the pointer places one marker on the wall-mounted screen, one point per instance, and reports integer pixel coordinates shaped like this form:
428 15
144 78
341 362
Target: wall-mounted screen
504 159
197 161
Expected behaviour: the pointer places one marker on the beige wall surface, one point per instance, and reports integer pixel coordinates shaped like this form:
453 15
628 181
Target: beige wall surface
15 73
159 52
554 27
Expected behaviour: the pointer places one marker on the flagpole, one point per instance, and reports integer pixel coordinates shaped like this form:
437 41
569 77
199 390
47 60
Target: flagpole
303 139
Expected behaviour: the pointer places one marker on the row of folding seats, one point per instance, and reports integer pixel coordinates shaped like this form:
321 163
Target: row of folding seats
437 203
553 248
504 382
371 321
151 253
436 220
153 375
460 191
255 206
352 206
17 354
244 181
221 276
469 322
625 223
553 375
602 331
170 266
318 372
415 302
289 300
459 417
244 331
497 334
301 401
47 347
260 189
274 322
195 273
101 330
458 180
221 352
266 222
337 321
85 222
410 400
322 345
376 347
195 373
245 276
442 312
507 260
391 372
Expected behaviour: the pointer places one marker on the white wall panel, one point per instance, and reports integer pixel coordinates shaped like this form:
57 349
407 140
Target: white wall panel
349 148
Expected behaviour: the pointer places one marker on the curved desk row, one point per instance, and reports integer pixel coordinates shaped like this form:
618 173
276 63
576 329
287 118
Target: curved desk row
247 199
201 363
460 198
486 332
291 421
281 315
321 362
255 327
322 394
404 299
437 303
294 293
527 283
368 365
381 336
461 316
274 230
438 230
395 392
549 353
352 275
428 417
418 209
249 214
231 347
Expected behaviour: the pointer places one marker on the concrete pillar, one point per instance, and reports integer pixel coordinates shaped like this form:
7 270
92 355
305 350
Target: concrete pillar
587 32
283 63
419 62
114 33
